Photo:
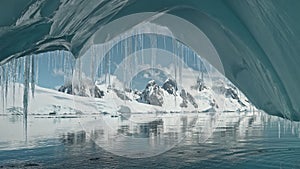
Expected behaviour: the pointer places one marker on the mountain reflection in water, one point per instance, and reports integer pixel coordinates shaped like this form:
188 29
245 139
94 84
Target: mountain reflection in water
203 140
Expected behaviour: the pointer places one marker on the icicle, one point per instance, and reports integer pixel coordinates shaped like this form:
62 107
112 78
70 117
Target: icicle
6 70
32 75
153 47
201 68
14 71
135 53
279 130
93 58
175 63
125 65
79 76
49 60
142 47
65 68
17 70
72 62
165 46
92 66
181 60
61 54
26 84
105 66
129 68
20 62
61 62
2 87
101 63
109 64
54 60
26 88
37 69
104 63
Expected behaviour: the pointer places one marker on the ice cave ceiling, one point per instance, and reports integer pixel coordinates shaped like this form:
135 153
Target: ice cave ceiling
258 41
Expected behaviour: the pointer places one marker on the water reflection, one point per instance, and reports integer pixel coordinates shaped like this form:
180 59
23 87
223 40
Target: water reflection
143 130
233 139
194 127
140 135
78 137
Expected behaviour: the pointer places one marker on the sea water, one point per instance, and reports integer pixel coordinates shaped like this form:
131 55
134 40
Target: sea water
231 140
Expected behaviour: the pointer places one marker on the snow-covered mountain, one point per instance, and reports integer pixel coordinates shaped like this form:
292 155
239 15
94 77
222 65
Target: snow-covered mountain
161 95
168 97
83 90
153 94
48 102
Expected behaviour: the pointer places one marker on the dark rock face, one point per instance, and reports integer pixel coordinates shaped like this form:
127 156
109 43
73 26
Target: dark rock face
151 84
81 92
66 89
187 97
170 86
199 85
121 95
152 94
93 91
231 93
97 92
183 95
184 104
191 99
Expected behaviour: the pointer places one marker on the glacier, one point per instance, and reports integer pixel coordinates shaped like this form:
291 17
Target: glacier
256 42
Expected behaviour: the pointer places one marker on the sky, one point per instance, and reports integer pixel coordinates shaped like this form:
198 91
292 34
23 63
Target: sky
51 66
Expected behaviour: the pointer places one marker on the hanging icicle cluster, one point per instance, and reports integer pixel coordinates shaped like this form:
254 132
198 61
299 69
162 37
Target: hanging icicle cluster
119 49
11 73
24 72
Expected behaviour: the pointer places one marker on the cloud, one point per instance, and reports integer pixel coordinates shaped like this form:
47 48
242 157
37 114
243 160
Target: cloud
58 72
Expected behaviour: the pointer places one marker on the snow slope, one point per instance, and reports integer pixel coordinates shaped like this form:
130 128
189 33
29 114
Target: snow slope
51 102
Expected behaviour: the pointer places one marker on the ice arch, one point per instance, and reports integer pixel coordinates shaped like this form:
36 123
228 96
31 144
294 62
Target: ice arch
257 41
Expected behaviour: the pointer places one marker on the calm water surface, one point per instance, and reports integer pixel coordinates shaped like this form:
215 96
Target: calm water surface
207 140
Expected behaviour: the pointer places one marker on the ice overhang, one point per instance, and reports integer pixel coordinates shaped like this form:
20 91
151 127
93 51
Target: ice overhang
257 42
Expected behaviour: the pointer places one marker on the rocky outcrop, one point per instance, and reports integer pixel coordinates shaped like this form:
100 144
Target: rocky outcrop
170 86
187 97
66 89
199 86
82 91
122 95
97 92
230 92
152 94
